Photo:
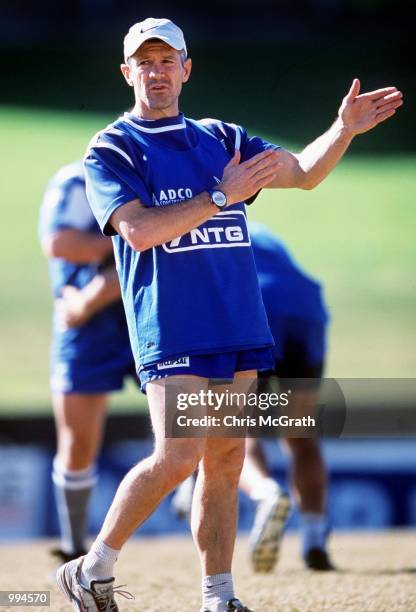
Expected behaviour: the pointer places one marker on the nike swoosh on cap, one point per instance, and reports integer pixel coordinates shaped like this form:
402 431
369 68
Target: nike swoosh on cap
142 31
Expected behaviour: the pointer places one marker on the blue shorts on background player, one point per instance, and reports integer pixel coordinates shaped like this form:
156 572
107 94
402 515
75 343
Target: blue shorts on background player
90 350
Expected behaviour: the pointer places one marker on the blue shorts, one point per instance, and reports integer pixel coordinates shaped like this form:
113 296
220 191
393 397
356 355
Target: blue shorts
85 377
300 348
218 365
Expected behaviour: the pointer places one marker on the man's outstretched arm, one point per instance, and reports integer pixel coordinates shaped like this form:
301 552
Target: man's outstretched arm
357 114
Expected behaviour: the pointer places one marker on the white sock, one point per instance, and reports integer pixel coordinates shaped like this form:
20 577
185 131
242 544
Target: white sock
98 563
264 488
314 531
216 591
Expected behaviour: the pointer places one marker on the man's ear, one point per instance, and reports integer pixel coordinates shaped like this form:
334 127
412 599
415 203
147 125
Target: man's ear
187 68
125 69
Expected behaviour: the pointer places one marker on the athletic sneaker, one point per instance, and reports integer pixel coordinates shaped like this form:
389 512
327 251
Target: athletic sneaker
234 605
318 559
267 530
98 597
64 556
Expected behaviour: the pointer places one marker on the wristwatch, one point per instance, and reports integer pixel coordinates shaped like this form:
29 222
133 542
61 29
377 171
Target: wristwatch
218 198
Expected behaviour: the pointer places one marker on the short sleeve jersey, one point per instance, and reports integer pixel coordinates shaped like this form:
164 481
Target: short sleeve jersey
286 289
198 293
65 206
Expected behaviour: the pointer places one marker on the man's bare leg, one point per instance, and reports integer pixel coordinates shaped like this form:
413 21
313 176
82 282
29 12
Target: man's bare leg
79 420
215 508
309 485
308 474
146 484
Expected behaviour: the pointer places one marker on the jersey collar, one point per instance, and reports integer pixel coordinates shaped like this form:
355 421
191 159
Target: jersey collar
154 126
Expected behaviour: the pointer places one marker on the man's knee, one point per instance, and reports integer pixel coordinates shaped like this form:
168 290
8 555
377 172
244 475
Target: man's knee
75 448
179 462
225 463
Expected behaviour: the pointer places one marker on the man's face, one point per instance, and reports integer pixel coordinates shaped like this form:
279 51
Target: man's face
156 71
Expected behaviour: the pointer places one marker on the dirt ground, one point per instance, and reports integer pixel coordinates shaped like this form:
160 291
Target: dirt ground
377 573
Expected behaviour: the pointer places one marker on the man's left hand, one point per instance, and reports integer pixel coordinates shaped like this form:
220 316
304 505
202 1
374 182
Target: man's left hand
362 112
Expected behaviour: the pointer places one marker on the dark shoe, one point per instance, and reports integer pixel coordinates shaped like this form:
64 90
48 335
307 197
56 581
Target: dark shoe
65 557
234 605
318 559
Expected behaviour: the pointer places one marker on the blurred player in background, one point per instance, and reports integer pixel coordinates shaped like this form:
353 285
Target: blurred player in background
172 193
298 318
90 350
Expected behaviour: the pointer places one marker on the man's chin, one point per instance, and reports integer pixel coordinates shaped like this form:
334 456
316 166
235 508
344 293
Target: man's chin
160 102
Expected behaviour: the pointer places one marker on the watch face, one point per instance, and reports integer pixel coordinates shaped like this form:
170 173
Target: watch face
218 197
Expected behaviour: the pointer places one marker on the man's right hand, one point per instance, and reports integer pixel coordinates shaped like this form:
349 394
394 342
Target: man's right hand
144 227
241 181
71 308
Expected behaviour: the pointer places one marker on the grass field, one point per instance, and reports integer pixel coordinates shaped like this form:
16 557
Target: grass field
377 574
355 233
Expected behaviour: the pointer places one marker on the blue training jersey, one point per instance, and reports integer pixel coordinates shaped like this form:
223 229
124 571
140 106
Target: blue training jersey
286 289
65 206
198 293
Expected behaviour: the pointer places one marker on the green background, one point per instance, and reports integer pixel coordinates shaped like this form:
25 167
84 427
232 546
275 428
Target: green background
355 232
279 69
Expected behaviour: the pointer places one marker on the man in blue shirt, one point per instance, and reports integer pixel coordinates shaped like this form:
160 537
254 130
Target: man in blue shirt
90 350
172 191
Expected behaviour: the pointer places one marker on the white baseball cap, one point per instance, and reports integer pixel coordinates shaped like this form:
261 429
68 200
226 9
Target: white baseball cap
163 29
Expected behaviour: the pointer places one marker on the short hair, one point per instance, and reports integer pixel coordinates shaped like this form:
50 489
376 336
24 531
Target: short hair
183 56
